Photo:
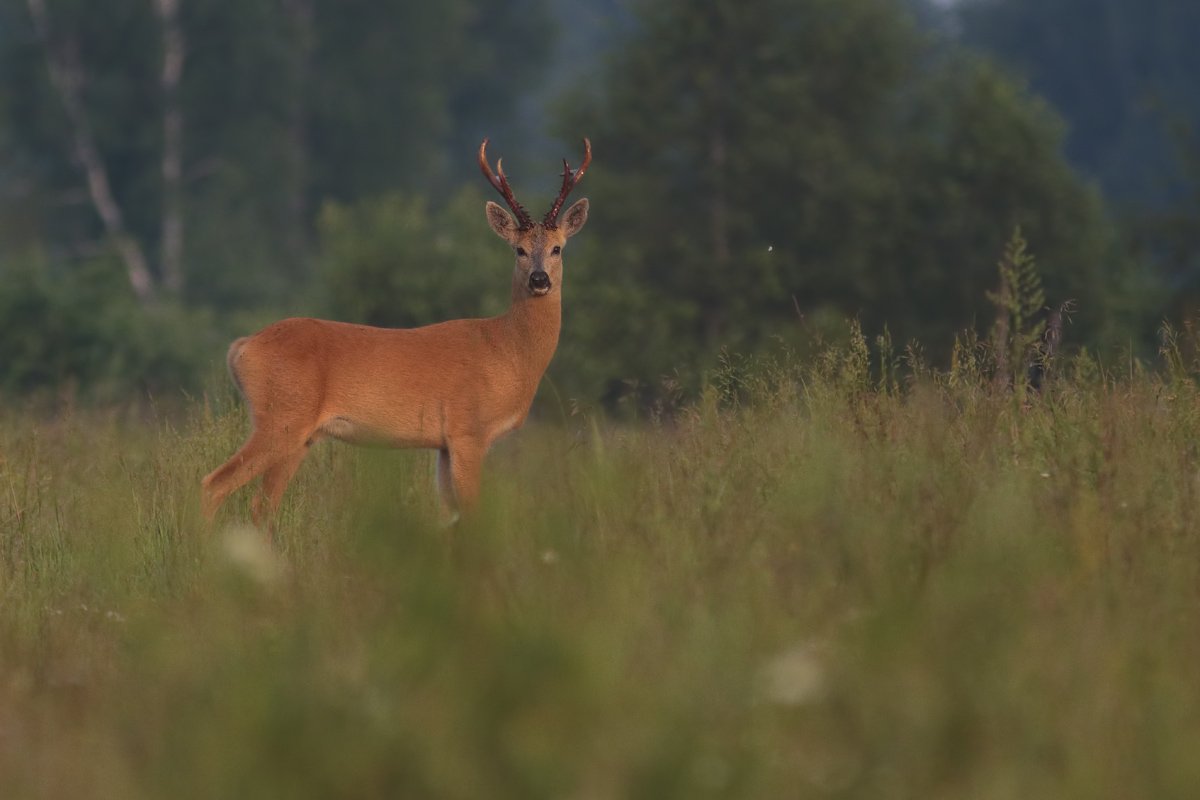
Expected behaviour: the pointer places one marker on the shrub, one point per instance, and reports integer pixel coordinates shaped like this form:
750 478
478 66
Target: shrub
83 333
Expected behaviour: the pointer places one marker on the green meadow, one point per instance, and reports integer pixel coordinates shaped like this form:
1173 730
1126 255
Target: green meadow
845 576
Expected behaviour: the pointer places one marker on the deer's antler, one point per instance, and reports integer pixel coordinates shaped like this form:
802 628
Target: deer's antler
500 183
569 181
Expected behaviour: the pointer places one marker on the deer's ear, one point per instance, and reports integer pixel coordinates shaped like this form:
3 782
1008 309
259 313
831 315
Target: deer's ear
575 217
501 222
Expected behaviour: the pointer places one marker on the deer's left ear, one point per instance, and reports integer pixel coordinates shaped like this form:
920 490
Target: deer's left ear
575 217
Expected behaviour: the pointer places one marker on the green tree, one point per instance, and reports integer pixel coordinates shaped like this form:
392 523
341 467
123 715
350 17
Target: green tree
1117 70
1123 75
391 261
1171 236
763 157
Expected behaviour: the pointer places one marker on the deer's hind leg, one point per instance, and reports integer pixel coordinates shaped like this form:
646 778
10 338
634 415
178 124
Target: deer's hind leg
275 481
241 468
268 450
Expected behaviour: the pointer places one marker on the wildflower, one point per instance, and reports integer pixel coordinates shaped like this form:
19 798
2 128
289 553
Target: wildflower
249 551
795 676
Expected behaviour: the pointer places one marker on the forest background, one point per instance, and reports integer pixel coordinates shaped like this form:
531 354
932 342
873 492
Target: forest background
174 174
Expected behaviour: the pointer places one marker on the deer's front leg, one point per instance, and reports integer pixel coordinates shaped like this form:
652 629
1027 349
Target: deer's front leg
464 467
445 485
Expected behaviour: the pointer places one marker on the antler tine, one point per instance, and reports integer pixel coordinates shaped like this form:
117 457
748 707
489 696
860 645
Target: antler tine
500 184
569 181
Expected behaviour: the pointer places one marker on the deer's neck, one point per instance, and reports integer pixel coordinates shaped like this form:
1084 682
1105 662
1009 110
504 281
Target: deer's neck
533 324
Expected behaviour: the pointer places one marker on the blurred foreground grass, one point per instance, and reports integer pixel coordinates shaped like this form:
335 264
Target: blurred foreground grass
809 584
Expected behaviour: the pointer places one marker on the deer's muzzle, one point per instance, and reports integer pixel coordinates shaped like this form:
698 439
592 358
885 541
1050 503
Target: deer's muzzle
539 282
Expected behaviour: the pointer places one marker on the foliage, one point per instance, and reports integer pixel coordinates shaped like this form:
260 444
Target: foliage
821 588
1121 78
830 163
89 337
391 261
1171 236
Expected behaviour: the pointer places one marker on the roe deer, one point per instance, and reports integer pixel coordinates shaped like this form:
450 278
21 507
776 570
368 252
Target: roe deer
453 386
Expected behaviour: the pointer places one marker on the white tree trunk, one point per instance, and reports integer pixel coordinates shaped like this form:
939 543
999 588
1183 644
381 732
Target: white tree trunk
66 77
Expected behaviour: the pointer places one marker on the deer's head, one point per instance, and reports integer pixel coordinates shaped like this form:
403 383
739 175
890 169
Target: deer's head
538 247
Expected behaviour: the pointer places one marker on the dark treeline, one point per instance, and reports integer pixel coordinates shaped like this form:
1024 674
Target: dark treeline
175 172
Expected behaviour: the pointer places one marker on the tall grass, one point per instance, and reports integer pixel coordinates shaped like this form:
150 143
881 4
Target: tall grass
854 577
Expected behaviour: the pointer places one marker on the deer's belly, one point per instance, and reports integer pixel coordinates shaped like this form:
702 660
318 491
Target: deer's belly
378 433
507 424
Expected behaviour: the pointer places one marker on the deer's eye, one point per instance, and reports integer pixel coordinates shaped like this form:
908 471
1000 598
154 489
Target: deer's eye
556 250
521 251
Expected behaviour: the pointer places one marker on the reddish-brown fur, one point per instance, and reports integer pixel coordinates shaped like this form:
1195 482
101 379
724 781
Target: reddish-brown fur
454 386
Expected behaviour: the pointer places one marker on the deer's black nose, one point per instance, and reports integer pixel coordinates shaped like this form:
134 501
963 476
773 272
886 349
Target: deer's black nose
539 281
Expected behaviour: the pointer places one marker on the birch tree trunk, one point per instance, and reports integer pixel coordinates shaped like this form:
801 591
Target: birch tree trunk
67 78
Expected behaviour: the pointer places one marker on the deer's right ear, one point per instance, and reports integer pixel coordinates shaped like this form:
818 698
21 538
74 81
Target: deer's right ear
501 222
